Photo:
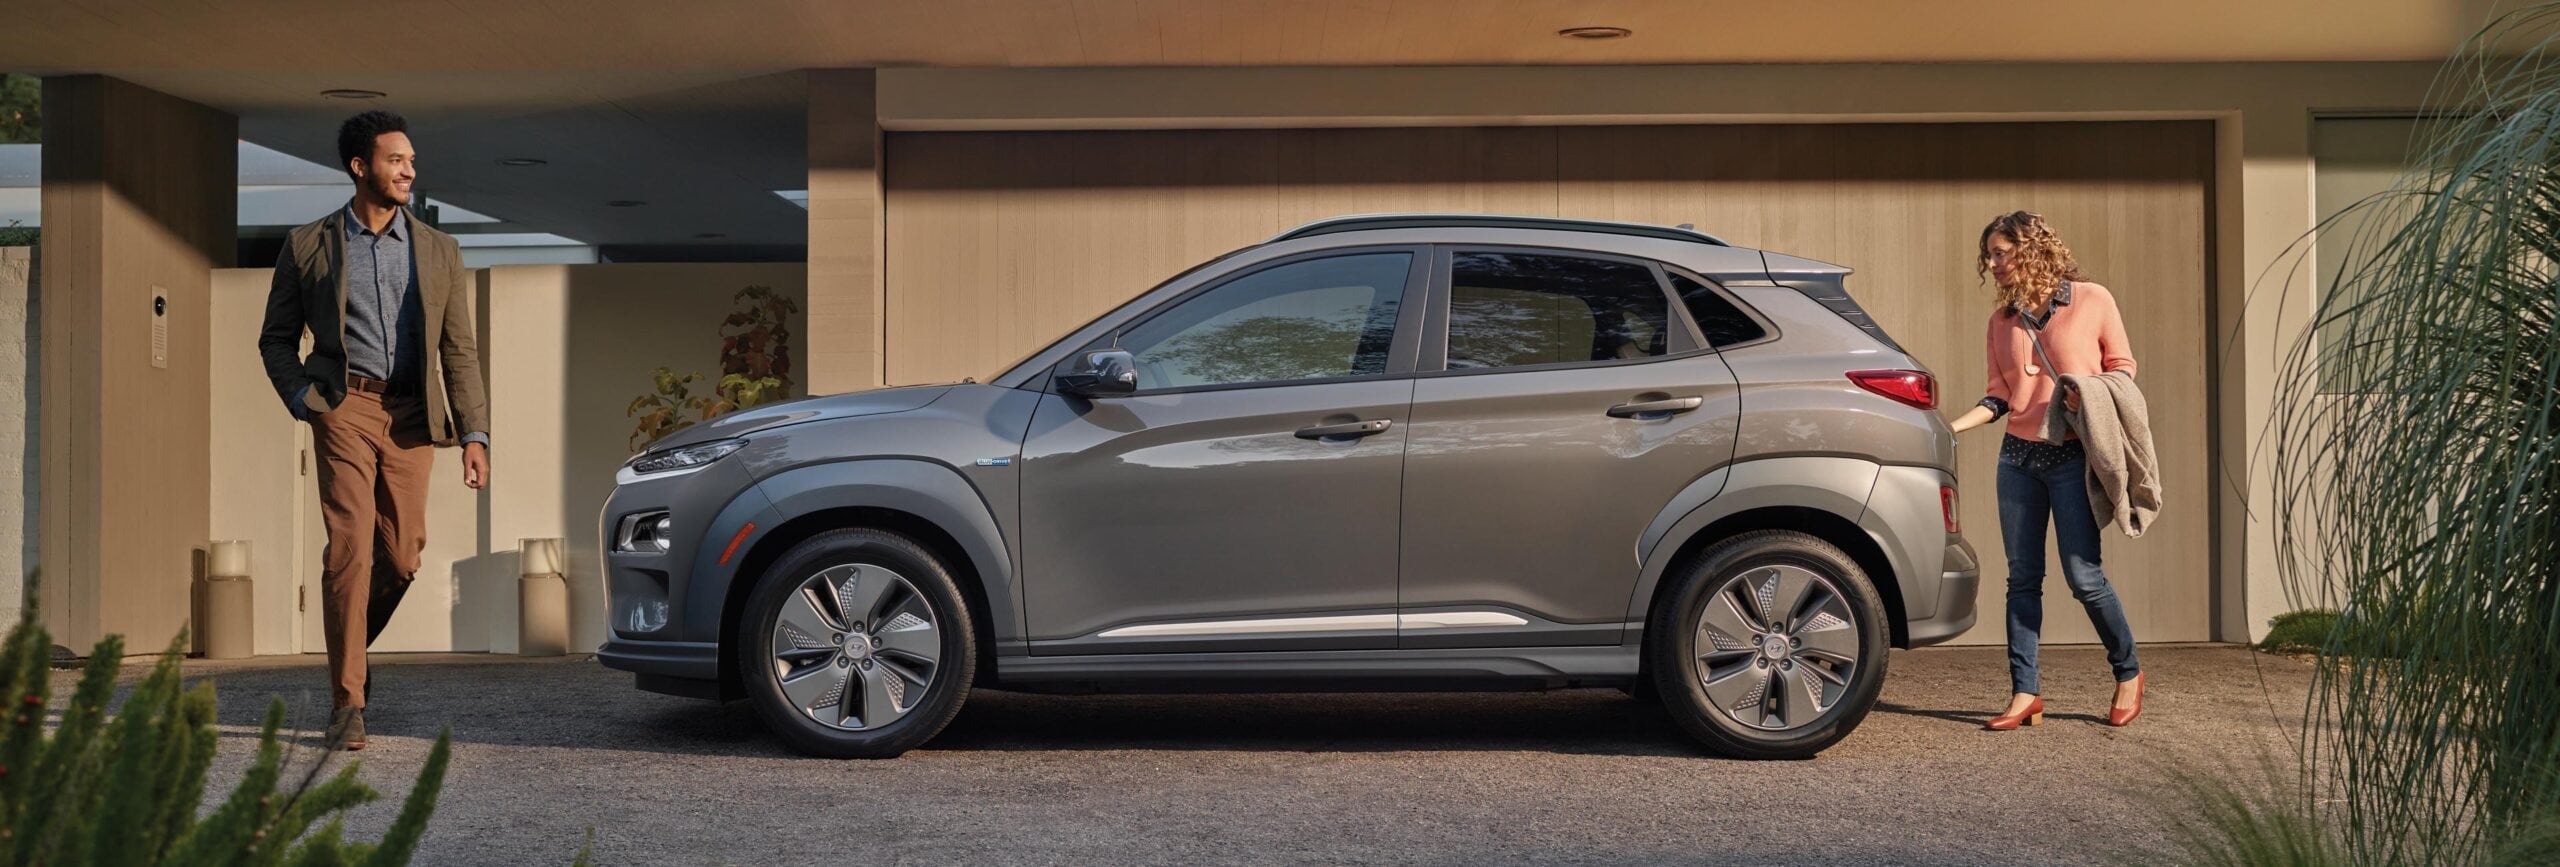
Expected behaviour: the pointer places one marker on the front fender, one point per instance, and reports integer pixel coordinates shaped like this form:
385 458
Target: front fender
1831 484
931 491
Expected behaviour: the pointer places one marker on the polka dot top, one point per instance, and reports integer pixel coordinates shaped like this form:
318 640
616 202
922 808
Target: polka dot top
2037 455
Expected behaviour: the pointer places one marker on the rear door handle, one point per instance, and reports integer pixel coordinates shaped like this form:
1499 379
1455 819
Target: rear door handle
1353 430
1654 409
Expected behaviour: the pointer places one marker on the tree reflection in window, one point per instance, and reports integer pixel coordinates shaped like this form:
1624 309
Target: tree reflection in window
1316 319
1516 310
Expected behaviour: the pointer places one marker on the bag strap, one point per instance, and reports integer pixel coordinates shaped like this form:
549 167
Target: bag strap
2035 335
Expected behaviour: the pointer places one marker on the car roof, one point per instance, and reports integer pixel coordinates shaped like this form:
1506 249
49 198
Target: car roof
1373 222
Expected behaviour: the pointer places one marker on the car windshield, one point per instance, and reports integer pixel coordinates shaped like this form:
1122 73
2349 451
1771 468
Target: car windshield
1007 367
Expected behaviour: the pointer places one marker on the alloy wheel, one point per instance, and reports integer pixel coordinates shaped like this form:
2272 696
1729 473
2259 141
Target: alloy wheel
1777 647
855 647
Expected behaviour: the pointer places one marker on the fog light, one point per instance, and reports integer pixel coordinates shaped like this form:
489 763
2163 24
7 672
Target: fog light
644 616
646 533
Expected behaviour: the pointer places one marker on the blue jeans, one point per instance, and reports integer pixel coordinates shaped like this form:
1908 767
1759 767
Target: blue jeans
2027 498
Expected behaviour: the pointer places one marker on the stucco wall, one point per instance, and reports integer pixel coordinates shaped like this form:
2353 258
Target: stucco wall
566 347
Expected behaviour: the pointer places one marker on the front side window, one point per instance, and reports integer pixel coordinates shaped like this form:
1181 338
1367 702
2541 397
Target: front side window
1520 310
1315 319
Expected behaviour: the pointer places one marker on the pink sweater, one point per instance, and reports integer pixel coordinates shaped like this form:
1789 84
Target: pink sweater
2085 336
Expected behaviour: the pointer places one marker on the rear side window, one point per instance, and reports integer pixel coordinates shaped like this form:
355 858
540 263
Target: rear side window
1521 310
1721 323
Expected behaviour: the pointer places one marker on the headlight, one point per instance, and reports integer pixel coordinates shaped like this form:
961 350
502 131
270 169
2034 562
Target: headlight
687 458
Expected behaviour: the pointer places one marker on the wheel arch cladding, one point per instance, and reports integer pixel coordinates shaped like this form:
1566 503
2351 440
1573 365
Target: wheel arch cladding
923 501
1816 496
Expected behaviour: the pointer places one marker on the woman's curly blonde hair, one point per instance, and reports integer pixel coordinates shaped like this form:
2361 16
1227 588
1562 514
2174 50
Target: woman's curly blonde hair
2038 267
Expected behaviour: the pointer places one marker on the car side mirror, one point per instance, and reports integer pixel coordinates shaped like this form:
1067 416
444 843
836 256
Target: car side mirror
1103 373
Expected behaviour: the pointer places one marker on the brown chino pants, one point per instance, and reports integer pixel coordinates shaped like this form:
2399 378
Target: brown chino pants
374 459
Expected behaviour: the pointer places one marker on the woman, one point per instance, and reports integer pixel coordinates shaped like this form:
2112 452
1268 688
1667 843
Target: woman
2050 322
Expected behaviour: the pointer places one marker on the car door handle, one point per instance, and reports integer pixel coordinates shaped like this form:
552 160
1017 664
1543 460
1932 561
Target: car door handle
1353 430
1654 409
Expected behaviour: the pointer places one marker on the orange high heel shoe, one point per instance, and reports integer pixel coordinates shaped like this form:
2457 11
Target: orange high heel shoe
2122 716
2033 715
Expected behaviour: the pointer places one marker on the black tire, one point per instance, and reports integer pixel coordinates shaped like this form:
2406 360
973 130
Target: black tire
1680 674
866 551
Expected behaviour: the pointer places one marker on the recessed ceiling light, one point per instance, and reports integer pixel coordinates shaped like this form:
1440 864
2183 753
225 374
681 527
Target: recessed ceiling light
1595 33
523 161
351 93
711 236
625 203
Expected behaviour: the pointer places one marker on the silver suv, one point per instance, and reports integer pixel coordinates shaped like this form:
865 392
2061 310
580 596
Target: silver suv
1380 452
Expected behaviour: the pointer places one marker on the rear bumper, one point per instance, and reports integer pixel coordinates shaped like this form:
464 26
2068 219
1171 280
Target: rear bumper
1956 588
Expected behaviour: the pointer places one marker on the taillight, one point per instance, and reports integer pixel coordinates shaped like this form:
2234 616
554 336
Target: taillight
1914 387
1947 503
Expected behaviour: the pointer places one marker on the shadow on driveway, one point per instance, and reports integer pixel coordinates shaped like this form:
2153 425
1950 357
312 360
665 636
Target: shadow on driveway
579 704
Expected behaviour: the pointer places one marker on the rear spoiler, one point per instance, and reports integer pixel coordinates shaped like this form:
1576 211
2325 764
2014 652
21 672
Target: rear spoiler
1827 285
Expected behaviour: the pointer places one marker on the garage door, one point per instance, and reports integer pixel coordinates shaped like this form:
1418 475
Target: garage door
999 242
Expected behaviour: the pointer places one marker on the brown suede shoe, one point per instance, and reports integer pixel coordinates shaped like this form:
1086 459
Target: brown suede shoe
346 728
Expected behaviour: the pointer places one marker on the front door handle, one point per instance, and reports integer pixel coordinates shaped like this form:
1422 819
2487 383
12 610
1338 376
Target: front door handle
1656 409
1354 430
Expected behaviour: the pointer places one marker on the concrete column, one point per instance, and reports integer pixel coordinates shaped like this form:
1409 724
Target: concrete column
529 346
140 202
2264 310
848 227
17 272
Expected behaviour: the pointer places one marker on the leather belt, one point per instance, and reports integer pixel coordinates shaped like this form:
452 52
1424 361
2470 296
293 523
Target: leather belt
371 385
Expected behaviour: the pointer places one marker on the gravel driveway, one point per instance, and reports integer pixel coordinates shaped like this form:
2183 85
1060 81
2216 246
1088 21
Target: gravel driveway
547 749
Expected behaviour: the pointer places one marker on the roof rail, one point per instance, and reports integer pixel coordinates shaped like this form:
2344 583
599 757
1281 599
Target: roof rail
1370 222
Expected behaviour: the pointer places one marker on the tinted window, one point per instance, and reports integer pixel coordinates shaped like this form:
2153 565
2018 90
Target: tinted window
1515 310
1316 319
1721 323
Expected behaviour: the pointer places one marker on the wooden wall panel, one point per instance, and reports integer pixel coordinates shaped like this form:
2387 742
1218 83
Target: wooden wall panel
999 242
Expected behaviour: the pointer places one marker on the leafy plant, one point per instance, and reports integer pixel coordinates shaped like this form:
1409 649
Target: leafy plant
21 109
755 369
124 789
2427 508
755 350
664 411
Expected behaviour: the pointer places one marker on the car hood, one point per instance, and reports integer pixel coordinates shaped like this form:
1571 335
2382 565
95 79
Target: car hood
808 409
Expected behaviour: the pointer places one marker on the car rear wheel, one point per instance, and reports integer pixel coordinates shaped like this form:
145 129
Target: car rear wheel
857 645
1771 646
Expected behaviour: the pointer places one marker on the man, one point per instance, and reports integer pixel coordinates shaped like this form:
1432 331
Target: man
394 372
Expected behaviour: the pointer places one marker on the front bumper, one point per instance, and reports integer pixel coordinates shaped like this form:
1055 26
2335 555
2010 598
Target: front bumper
684 659
675 597
664 608
678 668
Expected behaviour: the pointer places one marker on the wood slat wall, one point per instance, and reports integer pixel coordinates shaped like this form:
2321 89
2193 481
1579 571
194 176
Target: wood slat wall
999 242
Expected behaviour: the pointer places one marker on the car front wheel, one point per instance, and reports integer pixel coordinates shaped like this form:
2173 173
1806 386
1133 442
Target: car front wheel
856 645
1771 646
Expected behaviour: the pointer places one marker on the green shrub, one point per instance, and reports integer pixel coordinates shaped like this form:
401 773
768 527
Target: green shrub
123 789
2220 821
2426 505
2304 631
2326 631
